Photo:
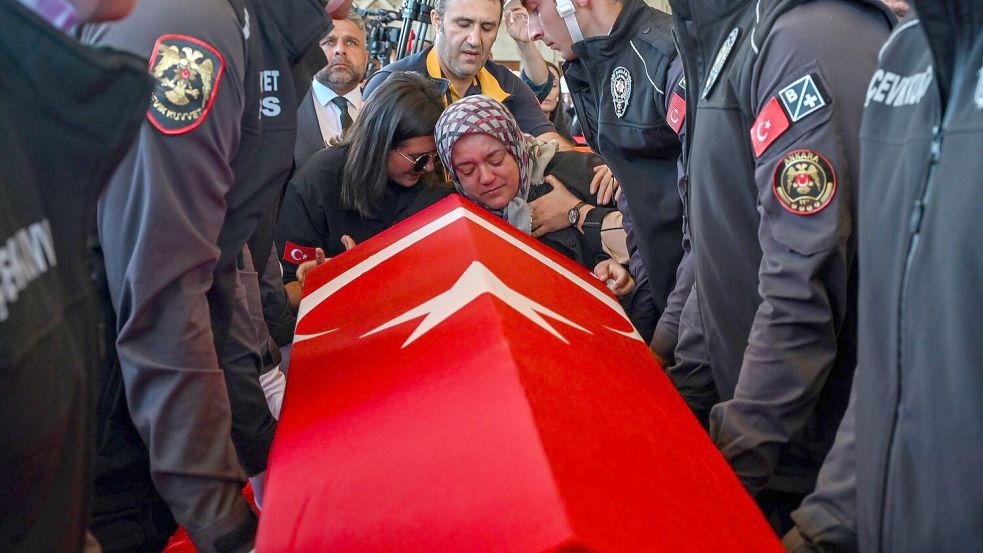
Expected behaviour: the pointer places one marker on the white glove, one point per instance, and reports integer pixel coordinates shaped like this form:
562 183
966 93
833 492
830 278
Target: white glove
258 483
274 382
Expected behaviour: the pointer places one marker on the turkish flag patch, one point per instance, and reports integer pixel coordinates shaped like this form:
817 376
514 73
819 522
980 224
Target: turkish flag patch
770 124
296 254
187 73
677 112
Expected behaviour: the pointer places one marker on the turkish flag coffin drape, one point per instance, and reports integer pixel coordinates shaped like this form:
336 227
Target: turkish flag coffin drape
456 386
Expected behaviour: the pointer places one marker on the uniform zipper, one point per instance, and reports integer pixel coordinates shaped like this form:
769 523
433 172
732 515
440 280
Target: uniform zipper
914 230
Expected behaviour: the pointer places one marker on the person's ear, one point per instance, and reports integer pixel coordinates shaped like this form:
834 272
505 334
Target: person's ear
435 19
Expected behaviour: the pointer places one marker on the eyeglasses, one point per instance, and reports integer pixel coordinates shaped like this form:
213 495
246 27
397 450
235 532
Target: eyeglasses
420 162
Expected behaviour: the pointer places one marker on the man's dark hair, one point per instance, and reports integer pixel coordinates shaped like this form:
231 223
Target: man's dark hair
407 105
354 18
440 6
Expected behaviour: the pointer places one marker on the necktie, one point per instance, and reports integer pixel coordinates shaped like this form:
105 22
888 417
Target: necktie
346 119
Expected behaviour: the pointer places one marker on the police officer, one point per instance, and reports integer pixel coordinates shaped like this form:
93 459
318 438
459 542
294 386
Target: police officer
618 54
903 475
767 338
198 174
87 106
160 220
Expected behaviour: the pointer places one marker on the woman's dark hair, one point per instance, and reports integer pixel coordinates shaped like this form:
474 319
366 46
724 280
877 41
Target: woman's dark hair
407 105
559 115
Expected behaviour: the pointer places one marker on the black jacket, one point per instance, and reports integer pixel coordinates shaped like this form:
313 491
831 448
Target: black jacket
50 324
772 160
575 170
639 147
313 214
904 474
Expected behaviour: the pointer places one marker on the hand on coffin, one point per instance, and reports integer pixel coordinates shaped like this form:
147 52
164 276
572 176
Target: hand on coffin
604 185
549 212
615 276
306 266
348 242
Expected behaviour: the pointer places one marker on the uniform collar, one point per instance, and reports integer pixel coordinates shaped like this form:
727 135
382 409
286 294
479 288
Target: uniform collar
484 80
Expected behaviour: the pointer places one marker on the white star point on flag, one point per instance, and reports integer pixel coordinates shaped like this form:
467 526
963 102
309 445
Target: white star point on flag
475 281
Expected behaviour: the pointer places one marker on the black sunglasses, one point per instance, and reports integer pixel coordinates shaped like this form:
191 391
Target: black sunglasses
420 162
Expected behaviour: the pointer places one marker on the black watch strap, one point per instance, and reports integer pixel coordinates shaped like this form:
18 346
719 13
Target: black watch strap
592 228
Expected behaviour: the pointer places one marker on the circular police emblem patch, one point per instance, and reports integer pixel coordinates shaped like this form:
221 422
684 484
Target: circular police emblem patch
620 90
187 72
804 182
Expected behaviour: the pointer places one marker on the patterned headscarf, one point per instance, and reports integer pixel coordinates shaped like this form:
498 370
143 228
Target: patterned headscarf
481 114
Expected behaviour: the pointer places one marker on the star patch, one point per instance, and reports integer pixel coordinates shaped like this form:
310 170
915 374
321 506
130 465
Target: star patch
187 72
620 90
676 115
801 98
804 182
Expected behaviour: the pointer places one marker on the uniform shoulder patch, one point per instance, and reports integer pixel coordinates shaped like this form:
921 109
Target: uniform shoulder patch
676 115
805 182
187 73
802 98
768 126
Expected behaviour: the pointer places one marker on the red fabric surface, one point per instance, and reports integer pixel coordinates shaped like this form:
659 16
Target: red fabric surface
489 431
181 542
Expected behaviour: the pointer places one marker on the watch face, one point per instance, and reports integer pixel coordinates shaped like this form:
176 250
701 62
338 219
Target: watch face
573 215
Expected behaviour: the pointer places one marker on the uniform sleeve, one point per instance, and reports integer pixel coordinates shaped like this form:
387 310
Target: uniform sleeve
690 370
524 106
280 319
807 91
667 329
159 220
297 231
540 91
827 519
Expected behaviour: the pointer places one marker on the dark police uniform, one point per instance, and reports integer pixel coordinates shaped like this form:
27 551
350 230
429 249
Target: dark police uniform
618 84
666 333
261 167
87 105
904 474
773 160
159 223
492 80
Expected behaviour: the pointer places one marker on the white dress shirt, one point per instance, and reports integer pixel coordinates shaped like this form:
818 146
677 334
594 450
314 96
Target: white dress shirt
328 114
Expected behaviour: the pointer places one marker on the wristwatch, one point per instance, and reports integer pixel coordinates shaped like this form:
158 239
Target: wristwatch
574 214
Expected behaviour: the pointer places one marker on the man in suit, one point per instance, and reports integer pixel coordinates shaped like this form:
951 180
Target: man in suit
334 98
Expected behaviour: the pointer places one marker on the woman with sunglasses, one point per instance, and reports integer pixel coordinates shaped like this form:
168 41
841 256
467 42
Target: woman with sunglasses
379 173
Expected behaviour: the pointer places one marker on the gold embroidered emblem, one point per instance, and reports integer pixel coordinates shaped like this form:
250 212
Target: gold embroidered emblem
187 72
804 182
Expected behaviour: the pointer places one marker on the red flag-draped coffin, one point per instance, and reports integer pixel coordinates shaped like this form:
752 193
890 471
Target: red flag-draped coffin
456 386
